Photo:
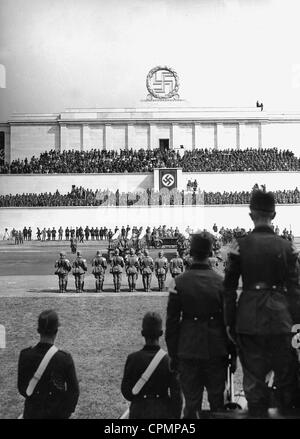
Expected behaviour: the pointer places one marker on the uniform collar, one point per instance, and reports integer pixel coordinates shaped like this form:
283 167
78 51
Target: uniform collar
151 348
199 265
260 229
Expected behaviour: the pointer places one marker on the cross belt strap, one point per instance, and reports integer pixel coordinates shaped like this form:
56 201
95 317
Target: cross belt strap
40 370
149 371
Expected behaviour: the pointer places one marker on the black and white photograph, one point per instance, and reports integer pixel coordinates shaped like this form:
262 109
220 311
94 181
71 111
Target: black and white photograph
149 212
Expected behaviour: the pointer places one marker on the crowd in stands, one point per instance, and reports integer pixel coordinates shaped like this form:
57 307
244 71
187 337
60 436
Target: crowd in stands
79 196
142 160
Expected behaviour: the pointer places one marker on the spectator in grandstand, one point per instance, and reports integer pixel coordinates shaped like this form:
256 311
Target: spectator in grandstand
197 160
158 396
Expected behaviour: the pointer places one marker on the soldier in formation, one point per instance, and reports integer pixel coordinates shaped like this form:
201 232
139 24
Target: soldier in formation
132 269
99 267
62 269
161 270
117 264
176 265
79 268
147 267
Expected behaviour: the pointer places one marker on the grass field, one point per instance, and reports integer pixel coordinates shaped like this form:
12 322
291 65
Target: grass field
99 330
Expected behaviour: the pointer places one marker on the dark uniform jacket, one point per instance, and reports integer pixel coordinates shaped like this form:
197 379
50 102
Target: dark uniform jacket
79 265
147 265
195 328
160 397
99 264
270 300
57 392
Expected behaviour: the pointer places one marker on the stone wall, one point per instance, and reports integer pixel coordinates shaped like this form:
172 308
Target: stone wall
197 217
208 181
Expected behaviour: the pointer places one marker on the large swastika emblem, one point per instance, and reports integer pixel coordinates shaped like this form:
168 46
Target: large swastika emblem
162 83
168 180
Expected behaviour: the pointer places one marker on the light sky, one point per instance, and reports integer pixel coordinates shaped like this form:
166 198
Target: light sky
60 54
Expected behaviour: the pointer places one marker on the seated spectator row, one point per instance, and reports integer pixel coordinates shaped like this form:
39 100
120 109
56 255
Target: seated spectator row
79 196
197 160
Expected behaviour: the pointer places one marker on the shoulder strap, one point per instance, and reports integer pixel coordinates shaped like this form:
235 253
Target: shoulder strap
149 371
40 370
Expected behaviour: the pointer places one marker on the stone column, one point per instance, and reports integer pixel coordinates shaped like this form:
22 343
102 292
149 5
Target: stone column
64 137
217 129
197 136
152 136
260 135
238 136
86 142
130 140
107 137
174 136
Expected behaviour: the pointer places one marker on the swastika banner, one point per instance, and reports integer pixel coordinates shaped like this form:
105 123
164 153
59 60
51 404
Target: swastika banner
168 178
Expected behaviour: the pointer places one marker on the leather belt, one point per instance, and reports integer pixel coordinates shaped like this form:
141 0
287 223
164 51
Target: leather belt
152 396
202 318
264 286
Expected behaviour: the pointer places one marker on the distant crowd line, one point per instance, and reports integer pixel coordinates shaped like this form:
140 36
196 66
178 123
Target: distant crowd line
145 160
79 196
103 233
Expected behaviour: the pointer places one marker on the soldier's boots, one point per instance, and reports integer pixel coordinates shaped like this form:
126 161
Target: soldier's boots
97 286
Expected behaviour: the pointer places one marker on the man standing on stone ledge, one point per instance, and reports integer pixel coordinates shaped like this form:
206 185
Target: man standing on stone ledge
195 331
268 306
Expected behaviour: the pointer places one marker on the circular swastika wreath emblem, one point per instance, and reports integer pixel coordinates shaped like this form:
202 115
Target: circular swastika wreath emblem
168 180
162 83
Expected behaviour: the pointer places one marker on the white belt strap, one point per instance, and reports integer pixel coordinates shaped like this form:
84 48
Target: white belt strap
149 371
40 370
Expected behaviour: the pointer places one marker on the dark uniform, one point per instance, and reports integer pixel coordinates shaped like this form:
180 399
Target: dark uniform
176 266
56 394
60 233
147 267
160 397
161 270
196 335
62 266
117 264
99 266
267 308
132 269
73 245
79 268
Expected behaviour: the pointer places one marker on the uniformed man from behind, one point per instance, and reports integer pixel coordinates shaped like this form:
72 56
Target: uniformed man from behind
62 269
195 331
99 267
267 308
176 265
132 269
79 268
147 267
117 264
159 397
56 393
73 244
161 269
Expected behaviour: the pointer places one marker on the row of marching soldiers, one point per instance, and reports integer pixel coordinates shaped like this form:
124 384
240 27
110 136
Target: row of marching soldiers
133 265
